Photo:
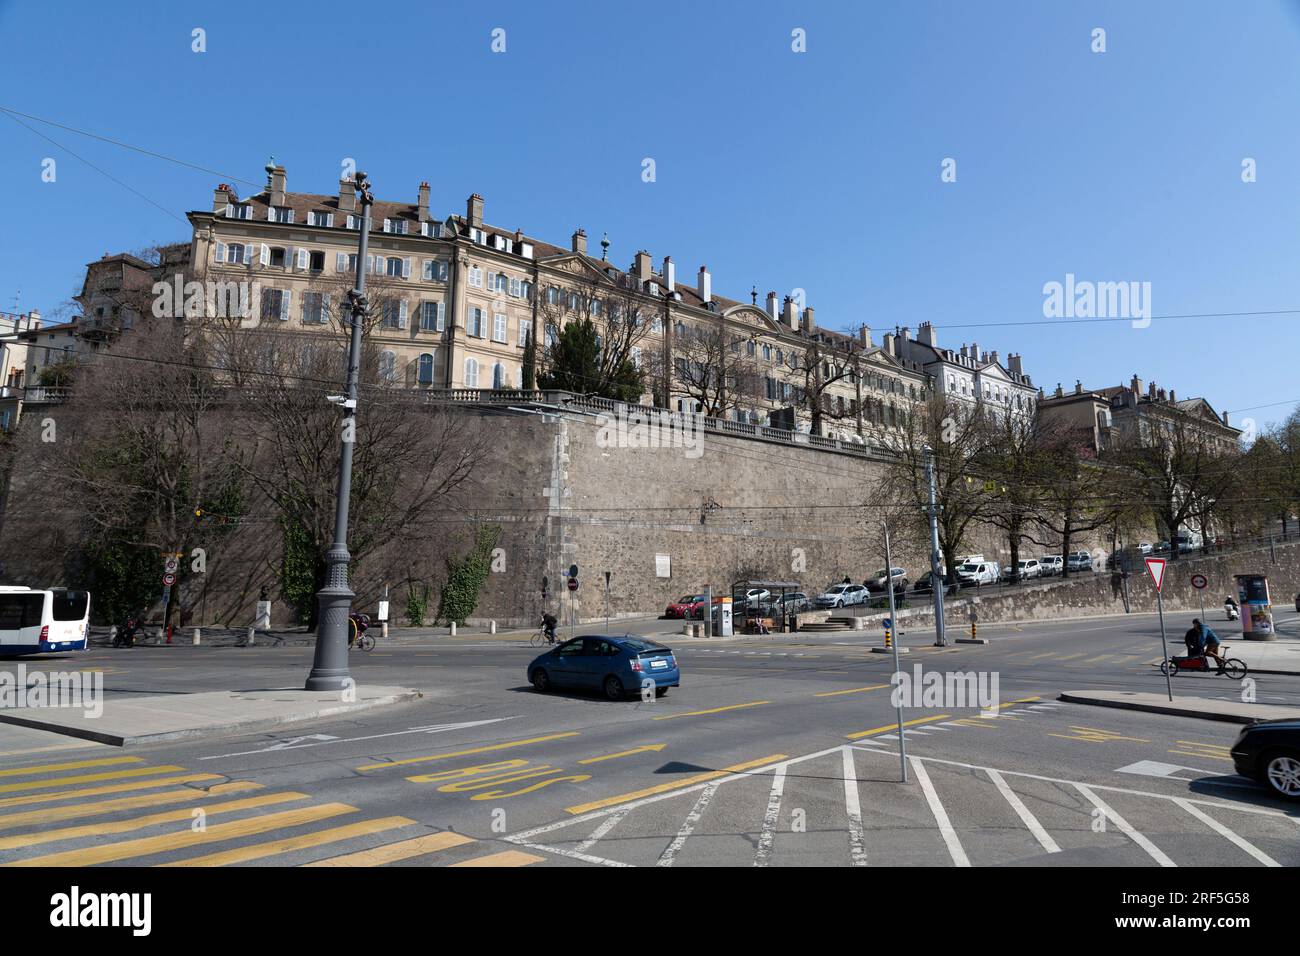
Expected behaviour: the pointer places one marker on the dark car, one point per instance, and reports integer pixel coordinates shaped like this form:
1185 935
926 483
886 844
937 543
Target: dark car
1269 752
616 666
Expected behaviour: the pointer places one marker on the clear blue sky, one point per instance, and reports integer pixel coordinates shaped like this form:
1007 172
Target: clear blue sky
817 170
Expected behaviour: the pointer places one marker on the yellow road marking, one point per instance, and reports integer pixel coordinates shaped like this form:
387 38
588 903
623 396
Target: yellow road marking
1068 657
894 726
40 750
54 814
139 823
715 710
462 753
971 722
1201 754
625 753
1093 735
1047 654
112 788
146 846
259 851
1204 743
85 778
76 765
504 858
1094 660
395 852
674 784
854 690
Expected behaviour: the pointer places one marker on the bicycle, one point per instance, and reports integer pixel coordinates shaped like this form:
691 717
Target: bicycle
541 637
362 640
1232 667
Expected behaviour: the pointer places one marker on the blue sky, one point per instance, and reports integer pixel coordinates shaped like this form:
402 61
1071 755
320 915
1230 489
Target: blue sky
816 170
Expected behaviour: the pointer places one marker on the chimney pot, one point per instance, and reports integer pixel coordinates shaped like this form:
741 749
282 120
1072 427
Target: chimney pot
423 202
580 241
347 196
705 285
641 266
474 210
864 336
772 309
809 321
669 275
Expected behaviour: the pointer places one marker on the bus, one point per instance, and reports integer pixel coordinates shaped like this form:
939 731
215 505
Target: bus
35 621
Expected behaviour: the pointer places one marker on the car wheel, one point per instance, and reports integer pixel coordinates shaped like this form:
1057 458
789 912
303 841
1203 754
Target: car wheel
661 691
613 688
541 681
1282 773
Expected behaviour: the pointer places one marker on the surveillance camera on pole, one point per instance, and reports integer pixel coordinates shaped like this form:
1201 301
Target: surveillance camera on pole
342 401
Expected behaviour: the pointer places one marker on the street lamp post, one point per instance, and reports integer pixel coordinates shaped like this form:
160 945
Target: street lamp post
937 581
329 670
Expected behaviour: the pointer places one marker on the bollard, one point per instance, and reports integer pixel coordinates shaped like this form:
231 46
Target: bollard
453 628
492 627
889 639
250 636
196 637
169 633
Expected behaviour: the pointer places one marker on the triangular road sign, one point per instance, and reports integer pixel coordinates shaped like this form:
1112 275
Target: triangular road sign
1157 568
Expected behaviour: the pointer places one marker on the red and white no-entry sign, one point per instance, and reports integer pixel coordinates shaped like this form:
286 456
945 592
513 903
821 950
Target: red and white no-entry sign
1200 582
1156 567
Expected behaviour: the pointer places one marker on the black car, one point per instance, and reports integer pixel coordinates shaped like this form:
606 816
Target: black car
1269 752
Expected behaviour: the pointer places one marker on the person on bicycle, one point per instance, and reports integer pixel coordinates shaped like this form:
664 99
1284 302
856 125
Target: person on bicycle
1193 641
548 624
1210 641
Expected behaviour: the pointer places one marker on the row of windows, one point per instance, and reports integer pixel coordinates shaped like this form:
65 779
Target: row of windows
285 214
313 260
424 371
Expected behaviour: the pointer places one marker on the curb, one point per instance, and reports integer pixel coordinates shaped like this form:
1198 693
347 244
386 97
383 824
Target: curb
1171 709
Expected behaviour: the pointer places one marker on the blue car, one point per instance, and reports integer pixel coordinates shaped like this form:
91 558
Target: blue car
617 666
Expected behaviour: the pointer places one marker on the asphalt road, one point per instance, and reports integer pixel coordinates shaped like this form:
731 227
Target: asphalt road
775 751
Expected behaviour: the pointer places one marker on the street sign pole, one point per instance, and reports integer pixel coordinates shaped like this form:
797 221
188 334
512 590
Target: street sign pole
1156 568
898 699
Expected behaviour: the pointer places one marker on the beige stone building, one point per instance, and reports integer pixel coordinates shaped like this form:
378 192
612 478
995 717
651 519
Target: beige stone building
455 300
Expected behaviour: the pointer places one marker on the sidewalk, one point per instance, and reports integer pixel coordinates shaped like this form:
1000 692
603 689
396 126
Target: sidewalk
1267 657
140 720
1226 710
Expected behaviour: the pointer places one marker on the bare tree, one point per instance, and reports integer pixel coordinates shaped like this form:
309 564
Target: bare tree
815 367
621 317
713 368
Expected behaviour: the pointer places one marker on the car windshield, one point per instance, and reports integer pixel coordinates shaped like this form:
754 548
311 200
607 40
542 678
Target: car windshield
969 567
838 589
639 644
688 599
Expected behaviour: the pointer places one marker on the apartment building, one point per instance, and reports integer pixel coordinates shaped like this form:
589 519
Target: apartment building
456 299
13 363
967 374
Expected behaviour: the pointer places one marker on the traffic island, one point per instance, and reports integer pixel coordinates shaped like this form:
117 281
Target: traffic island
142 720
1232 711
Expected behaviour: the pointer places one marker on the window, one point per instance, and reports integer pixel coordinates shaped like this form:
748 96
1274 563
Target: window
387 366
767 353
431 229
500 283
394 314
475 324
432 316
552 296
435 270
498 375
314 307
525 331
354 222
345 263
275 304
424 369
476 277
234 254
320 218
636 355
316 261
395 226
499 327
525 289
393 267
552 336
516 288
239 211
471 373
279 214
277 257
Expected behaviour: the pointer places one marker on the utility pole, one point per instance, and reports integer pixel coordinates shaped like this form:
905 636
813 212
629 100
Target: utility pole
329 670
936 557
893 623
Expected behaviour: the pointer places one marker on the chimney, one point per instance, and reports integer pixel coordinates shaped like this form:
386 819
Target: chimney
580 241
1015 368
705 285
771 305
993 357
1160 395
641 266
1172 397
277 186
1225 419
1151 391
905 334
889 343
809 322
925 335
1078 387
474 210
1059 391
423 202
788 315
221 198
34 322
864 336
669 275
974 352
347 196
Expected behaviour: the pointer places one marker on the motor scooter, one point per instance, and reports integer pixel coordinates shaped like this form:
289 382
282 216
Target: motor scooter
1230 608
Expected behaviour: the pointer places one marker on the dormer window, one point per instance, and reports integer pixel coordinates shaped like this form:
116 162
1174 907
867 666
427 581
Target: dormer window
478 236
316 218
239 211
354 222
526 250
431 230
279 214
396 226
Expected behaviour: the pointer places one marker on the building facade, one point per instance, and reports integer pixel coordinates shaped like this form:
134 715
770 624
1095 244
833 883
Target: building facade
968 375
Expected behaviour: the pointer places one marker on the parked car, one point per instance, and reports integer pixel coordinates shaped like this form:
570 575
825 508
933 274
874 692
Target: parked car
1050 564
1268 752
876 584
756 596
841 595
1028 568
1079 561
792 602
1146 547
617 666
972 574
686 606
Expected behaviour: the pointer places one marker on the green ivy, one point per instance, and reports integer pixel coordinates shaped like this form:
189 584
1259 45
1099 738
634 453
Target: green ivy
298 570
466 576
417 603
121 579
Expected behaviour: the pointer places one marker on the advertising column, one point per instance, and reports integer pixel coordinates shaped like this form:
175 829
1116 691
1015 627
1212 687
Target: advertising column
1256 608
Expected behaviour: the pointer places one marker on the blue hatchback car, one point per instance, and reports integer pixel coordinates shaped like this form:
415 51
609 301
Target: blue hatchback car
616 666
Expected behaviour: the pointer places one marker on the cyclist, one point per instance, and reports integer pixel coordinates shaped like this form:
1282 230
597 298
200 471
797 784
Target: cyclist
548 625
1210 641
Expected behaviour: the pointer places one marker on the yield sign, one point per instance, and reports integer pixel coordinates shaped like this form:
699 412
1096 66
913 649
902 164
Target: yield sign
1157 568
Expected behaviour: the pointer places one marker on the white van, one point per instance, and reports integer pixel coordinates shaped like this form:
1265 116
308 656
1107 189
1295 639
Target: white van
41 621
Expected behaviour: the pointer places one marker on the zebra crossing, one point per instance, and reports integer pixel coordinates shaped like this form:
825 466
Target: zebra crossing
846 806
124 810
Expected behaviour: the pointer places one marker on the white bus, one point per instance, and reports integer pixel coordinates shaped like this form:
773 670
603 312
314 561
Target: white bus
42 621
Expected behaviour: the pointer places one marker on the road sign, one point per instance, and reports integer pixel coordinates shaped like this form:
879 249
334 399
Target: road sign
573 570
573 584
1156 567
887 623
169 564
1200 582
169 580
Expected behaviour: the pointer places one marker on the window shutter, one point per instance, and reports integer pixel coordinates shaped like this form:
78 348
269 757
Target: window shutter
406 267
270 214
286 300
266 254
325 308
302 258
220 254
402 314
340 262
290 257
329 219
370 263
